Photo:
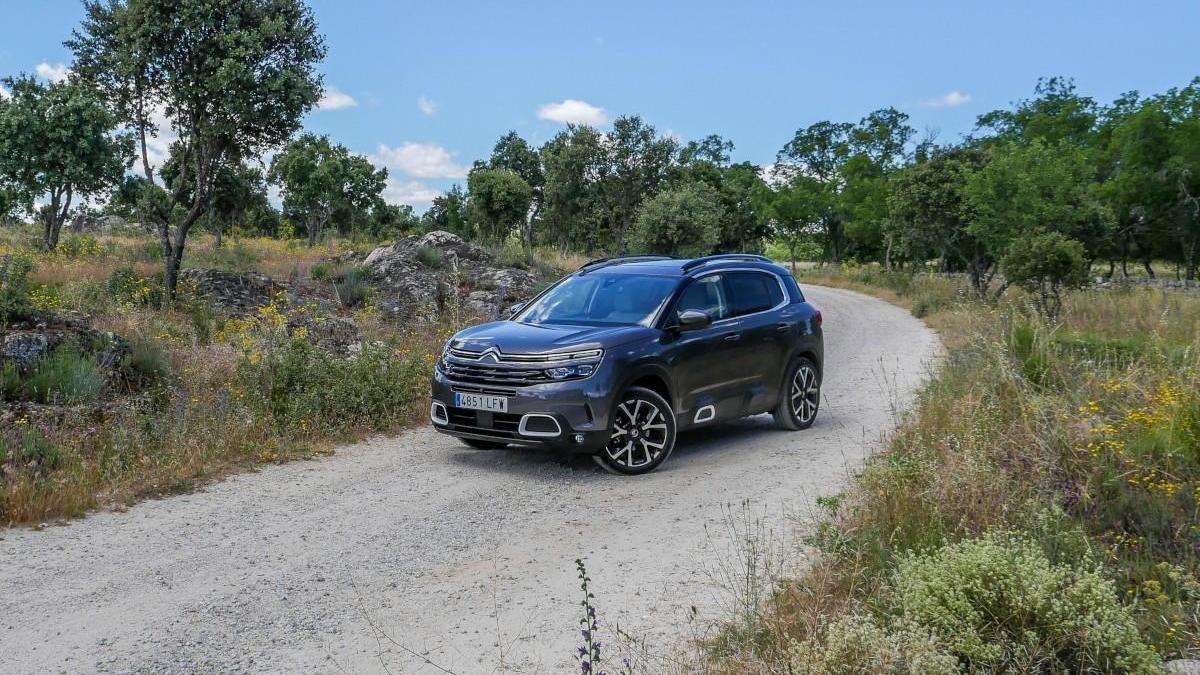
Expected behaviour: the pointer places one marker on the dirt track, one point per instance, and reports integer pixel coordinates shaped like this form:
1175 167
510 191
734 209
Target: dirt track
464 555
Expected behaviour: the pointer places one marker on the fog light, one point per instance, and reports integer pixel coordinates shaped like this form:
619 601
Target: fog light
578 438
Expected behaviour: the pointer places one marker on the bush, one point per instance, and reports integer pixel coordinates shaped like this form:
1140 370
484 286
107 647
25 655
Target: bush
127 286
66 376
998 604
30 453
352 287
430 257
146 364
1045 264
78 246
323 271
15 303
302 386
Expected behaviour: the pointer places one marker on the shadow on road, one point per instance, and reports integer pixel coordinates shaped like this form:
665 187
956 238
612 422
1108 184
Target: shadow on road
736 436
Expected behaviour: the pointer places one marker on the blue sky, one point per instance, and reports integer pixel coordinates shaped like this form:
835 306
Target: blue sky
427 87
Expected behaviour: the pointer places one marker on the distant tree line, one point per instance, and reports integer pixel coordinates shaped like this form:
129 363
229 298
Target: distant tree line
1118 184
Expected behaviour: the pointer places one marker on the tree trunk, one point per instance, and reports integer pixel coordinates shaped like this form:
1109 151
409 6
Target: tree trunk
1149 269
314 229
218 231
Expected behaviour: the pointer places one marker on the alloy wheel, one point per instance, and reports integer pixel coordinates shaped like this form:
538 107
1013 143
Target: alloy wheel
640 435
805 393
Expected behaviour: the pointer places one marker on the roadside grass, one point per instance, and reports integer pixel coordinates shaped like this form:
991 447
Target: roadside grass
198 395
1047 471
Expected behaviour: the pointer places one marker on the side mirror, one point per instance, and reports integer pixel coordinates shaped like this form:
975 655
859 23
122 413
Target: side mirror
515 309
693 319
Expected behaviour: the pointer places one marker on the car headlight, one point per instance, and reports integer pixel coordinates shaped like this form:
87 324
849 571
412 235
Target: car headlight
568 372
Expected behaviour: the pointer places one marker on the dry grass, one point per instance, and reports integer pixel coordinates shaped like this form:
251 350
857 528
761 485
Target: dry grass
236 393
1087 430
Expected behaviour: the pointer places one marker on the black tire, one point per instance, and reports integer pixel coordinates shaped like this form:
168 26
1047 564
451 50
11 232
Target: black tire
480 444
643 434
800 397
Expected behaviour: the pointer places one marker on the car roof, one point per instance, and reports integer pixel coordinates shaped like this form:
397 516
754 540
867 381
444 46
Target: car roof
685 267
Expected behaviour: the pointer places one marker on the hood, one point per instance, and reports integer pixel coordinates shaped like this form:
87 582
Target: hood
511 337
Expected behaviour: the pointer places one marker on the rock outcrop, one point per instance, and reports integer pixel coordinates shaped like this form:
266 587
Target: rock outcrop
26 342
233 292
422 277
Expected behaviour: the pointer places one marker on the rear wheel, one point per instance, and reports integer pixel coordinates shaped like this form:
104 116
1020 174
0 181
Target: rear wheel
643 434
480 444
801 396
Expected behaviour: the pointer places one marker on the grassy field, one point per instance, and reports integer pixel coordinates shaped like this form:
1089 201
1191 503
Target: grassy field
200 393
1038 511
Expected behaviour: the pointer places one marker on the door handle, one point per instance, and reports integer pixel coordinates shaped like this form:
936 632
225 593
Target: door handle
733 337
783 327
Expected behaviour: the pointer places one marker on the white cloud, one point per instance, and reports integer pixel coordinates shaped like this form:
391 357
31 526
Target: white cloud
4 92
427 105
951 100
573 111
55 73
415 194
419 160
335 99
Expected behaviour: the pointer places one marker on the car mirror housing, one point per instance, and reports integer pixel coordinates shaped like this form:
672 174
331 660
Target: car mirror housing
693 319
515 309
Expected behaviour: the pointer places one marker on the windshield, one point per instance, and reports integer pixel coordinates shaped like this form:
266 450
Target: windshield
601 299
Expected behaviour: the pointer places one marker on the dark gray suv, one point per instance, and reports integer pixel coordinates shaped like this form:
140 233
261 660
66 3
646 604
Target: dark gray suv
618 357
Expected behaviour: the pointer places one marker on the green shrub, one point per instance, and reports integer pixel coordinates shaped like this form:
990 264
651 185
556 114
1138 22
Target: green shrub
66 376
998 604
323 271
146 364
302 386
430 257
148 251
79 245
1032 357
1045 264
857 644
127 286
11 385
352 287
29 452
15 303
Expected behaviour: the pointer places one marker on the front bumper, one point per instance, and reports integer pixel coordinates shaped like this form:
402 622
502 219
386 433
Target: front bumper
578 408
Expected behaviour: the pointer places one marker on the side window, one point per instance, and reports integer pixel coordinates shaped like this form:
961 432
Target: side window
707 295
753 292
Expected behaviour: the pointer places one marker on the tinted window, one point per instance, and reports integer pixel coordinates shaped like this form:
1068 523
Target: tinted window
599 298
753 292
706 295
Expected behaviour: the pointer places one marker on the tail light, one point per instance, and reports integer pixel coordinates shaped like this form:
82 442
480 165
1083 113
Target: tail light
817 318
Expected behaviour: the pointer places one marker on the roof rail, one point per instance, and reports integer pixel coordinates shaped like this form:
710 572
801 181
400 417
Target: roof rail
692 264
620 259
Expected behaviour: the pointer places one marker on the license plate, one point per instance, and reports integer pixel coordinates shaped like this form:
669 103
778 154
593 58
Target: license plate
480 402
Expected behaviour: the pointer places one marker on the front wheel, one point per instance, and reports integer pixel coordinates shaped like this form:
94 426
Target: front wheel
643 434
801 396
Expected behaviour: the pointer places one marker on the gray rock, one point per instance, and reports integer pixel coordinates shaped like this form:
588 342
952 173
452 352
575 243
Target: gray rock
236 293
1183 667
468 277
24 348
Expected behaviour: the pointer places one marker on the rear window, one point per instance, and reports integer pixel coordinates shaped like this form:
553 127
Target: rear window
753 292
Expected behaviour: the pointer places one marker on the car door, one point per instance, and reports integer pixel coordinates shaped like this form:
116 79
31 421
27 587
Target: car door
700 359
754 296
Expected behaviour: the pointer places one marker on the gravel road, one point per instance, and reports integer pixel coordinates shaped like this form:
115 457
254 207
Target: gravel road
464 556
